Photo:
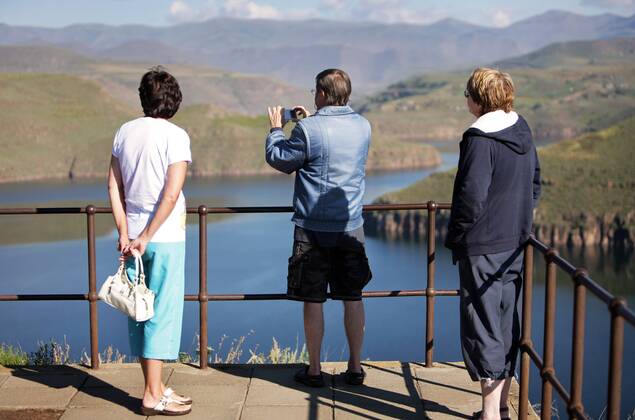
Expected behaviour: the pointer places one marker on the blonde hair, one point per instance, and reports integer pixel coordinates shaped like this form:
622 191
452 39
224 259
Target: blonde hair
491 89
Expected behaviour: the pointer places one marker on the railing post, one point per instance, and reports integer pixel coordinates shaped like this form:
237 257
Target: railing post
202 286
92 288
577 353
430 292
525 339
616 355
550 315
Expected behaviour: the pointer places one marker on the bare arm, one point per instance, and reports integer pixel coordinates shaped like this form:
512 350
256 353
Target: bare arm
173 185
118 202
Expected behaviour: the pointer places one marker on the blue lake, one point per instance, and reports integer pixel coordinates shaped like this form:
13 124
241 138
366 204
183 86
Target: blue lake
248 254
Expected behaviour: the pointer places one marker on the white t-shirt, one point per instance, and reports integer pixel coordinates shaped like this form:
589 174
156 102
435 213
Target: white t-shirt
145 147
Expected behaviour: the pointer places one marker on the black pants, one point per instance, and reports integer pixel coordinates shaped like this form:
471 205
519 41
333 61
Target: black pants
490 322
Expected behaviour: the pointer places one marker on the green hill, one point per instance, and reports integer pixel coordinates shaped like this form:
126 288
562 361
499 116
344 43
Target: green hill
227 92
50 121
54 124
588 188
563 90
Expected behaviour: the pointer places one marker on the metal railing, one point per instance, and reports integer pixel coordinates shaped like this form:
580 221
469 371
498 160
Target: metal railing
573 397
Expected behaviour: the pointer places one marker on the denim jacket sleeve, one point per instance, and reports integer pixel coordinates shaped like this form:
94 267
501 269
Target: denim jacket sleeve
286 155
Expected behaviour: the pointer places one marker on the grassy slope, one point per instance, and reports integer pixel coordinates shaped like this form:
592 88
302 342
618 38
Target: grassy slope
234 144
563 91
227 92
51 120
48 120
592 175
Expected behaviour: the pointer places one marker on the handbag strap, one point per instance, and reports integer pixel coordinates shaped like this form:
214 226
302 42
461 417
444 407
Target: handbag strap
140 277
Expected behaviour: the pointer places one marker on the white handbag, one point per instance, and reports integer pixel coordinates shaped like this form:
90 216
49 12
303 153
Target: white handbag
133 298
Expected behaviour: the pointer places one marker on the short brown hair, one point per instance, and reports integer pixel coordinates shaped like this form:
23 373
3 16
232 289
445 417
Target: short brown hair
160 93
336 86
491 89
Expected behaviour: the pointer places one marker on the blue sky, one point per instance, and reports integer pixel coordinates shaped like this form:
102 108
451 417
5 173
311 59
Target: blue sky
166 12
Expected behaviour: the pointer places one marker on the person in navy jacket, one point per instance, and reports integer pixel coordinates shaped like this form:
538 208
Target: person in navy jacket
496 189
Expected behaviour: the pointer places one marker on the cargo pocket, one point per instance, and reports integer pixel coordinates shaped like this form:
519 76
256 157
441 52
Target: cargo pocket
297 264
355 268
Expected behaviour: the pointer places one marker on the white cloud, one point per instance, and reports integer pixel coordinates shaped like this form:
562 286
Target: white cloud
387 11
500 18
249 10
181 11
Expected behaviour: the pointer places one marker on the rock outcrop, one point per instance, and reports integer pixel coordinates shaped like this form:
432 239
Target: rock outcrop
607 231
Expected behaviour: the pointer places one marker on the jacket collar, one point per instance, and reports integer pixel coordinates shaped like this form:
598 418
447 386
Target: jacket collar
335 110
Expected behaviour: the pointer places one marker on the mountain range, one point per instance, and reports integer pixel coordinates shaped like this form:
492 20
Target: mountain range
294 51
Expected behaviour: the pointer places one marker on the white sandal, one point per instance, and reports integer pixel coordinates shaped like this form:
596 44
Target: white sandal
161 409
168 394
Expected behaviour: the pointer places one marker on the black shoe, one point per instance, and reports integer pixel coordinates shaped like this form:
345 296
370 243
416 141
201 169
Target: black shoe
354 378
315 381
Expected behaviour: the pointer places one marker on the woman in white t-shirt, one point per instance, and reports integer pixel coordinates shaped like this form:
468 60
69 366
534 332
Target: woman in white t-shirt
147 171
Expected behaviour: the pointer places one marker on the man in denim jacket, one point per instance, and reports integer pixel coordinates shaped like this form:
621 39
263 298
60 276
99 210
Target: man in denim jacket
328 152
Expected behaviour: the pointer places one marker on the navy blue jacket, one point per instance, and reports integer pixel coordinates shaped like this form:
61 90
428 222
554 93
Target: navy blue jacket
496 188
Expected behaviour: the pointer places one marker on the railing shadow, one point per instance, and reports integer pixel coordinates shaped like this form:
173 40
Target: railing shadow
363 401
60 377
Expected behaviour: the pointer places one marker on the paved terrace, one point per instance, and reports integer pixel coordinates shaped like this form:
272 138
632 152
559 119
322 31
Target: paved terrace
392 390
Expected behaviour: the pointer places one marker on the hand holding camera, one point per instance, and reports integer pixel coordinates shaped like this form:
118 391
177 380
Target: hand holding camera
279 116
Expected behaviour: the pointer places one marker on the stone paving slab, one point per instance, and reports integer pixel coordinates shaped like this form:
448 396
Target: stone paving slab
99 413
108 397
313 412
391 390
215 395
45 380
121 378
189 375
214 413
275 386
34 397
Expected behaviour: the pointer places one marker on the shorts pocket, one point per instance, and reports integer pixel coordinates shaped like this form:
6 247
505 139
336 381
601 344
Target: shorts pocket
297 264
354 268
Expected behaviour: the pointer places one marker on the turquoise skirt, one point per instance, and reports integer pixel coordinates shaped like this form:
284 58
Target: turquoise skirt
160 337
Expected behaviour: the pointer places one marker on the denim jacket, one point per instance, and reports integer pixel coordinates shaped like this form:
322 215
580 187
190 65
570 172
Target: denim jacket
328 152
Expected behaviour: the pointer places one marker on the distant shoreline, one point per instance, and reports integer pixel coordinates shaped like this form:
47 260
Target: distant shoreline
431 162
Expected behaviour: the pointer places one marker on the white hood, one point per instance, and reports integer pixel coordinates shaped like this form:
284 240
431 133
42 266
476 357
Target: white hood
495 121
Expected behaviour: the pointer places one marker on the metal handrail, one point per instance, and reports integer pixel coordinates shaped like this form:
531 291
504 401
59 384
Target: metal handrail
617 306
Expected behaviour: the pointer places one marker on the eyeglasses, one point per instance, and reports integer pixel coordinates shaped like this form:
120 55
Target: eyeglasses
466 93
313 92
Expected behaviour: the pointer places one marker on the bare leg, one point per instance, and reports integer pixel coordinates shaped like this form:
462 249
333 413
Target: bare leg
507 383
154 387
313 332
491 394
354 320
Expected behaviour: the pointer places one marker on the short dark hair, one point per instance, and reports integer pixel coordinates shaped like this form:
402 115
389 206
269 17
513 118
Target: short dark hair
336 86
159 93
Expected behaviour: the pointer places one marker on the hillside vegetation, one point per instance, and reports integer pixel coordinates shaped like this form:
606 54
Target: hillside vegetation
563 90
588 190
226 92
55 125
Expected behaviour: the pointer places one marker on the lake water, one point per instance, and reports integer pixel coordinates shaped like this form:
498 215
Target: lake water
248 254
